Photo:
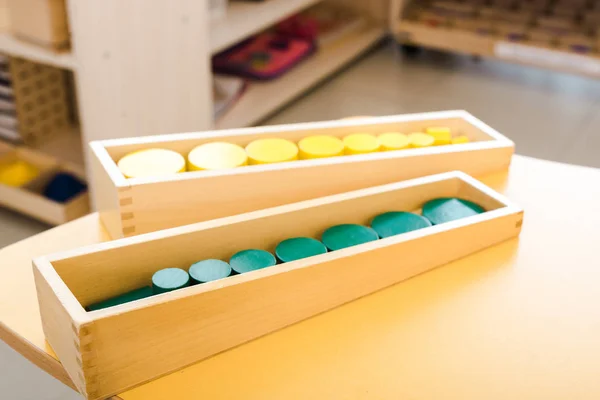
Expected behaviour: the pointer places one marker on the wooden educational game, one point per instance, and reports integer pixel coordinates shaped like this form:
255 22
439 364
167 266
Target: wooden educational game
27 177
131 206
118 346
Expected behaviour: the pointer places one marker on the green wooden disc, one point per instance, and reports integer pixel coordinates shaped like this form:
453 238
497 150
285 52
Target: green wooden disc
137 294
346 235
298 248
251 260
169 279
209 270
448 209
397 222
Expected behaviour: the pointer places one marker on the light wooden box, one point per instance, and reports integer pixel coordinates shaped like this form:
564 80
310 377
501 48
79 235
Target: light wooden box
28 198
134 206
110 350
43 22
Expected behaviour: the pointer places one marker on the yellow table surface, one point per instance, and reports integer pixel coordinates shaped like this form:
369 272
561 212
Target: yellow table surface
520 320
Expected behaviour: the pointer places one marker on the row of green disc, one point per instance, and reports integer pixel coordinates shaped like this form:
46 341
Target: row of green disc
337 237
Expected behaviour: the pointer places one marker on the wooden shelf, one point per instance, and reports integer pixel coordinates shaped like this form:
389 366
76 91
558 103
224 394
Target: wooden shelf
262 99
17 48
244 19
463 41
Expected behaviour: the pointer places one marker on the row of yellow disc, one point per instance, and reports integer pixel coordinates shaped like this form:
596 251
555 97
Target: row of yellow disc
221 155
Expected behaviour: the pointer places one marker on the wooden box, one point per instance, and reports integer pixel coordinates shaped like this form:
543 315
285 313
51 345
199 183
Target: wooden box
28 199
43 22
134 206
110 350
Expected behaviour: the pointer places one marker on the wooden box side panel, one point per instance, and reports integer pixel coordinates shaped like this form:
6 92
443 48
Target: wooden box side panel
32 204
60 329
169 204
195 327
105 194
130 264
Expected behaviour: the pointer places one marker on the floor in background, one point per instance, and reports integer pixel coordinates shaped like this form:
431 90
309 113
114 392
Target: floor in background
548 115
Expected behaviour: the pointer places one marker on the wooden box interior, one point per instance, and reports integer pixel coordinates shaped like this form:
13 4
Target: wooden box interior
102 274
459 121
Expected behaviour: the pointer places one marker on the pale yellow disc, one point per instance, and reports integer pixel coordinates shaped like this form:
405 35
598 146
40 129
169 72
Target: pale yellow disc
274 150
151 162
217 155
320 147
17 173
393 141
460 139
441 135
419 139
361 143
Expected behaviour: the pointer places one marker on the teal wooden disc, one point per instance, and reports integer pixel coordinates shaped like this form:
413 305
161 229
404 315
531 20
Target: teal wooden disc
298 248
136 294
397 222
449 209
251 260
346 235
169 279
209 270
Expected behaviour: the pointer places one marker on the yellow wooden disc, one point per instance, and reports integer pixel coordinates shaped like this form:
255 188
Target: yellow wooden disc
441 135
217 155
419 139
18 173
320 147
460 139
274 150
361 143
393 141
151 162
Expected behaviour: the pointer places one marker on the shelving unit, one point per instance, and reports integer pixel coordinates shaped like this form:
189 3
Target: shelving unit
262 99
244 19
18 48
143 68
464 41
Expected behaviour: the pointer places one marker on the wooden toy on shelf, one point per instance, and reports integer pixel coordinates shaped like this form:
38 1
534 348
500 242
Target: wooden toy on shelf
196 322
180 199
40 186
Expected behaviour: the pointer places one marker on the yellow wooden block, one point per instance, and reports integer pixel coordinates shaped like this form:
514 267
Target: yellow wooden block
273 150
441 135
320 147
361 143
151 162
393 141
17 173
217 155
460 139
419 139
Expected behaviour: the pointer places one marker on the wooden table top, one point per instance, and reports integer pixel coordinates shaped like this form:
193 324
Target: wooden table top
520 320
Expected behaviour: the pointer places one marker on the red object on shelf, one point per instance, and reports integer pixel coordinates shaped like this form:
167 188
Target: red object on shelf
299 26
264 57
